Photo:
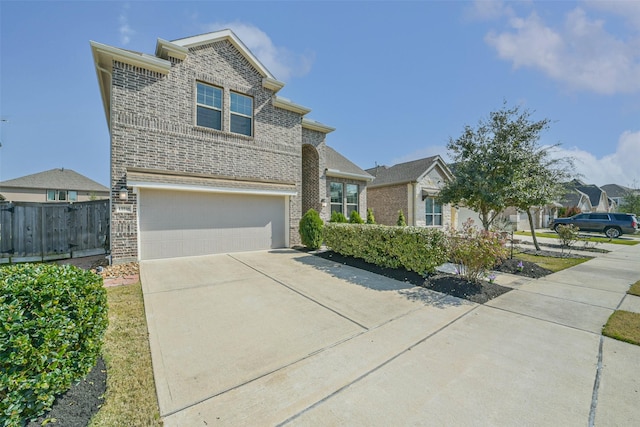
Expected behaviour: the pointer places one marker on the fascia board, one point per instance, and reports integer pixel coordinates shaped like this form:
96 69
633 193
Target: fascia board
165 49
272 84
288 105
106 54
339 174
317 126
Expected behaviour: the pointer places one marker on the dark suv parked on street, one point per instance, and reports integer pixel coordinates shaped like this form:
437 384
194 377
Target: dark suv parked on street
611 224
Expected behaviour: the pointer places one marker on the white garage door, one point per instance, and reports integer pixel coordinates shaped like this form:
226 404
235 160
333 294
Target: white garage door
186 223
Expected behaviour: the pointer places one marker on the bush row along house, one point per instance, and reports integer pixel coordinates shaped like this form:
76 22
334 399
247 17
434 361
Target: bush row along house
207 158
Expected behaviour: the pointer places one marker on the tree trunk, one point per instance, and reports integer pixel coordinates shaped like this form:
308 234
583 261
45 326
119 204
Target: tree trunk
533 230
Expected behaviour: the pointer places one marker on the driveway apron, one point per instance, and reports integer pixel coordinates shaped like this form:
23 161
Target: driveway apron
284 337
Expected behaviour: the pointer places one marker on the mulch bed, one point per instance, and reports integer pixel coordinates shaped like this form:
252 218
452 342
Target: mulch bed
75 407
450 284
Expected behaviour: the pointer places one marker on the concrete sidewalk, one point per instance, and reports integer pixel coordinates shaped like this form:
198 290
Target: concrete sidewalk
289 338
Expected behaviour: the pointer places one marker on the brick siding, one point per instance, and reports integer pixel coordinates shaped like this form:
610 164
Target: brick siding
385 202
153 127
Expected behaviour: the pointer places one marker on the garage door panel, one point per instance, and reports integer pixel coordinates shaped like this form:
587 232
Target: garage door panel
181 223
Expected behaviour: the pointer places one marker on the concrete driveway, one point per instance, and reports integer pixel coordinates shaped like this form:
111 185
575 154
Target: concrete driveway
283 337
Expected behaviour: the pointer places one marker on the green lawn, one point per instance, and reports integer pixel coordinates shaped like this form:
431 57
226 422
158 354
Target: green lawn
619 241
635 289
130 399
551 263
623 326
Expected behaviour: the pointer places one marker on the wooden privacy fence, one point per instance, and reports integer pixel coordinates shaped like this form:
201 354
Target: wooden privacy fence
48 231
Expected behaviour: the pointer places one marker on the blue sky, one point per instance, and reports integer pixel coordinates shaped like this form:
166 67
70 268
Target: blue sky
396 79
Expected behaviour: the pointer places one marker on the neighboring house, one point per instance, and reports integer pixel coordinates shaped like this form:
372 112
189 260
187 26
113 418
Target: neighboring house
55 185
587 197
616 193
413 188
205 156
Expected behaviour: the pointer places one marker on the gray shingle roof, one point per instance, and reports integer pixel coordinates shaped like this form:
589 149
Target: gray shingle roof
57 179
338 162
402 172
615 190
592 191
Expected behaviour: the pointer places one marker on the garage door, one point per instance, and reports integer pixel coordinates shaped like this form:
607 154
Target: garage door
186 223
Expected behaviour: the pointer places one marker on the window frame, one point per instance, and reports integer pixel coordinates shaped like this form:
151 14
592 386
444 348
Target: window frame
349 206
433 214
214 108
341 202
240 114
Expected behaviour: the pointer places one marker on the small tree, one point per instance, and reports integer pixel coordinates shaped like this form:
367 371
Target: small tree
568 235
355 218
631 202
401 221
337 217
311 229
370 218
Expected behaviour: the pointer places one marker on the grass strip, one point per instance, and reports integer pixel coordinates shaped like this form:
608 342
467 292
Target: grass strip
130 399
554 264
624 326
635 289
618 241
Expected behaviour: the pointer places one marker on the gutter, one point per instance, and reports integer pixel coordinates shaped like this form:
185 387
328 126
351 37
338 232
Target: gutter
338 174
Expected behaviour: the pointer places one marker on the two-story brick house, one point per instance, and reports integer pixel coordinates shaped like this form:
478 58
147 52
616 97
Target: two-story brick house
205 156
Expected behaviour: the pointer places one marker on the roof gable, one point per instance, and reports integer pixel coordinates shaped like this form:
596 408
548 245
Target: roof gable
412 171
56 179
340 166
615 190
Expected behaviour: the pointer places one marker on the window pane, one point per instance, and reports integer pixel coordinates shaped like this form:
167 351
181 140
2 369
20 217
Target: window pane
352 193
437 207
62 195
351 208
209 118
336 208
336 192
51 195
428 204
241 125
437 220
241 104
209 95
73 196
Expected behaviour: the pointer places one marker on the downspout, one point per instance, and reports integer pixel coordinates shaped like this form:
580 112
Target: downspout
109 73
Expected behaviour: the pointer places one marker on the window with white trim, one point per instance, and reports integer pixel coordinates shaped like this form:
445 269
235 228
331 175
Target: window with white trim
62 195
209 106
352 198
241 114
335 189
433 212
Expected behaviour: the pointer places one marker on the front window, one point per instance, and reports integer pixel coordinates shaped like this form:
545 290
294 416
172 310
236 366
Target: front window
51 195
73 196
62 195
433 212
241 114
352 198
336 197
209 106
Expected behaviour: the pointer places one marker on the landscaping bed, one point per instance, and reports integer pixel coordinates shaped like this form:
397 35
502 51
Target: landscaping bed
450 284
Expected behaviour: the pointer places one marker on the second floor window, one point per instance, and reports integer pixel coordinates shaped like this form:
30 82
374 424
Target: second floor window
241 114
209 106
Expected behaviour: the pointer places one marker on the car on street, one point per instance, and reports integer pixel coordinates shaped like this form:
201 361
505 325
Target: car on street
611 224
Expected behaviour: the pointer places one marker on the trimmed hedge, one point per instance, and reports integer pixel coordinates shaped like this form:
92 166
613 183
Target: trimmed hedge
310 229
414 248
52 320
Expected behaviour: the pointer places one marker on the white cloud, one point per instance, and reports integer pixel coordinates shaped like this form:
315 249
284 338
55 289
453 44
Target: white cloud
125 29
620 167
280 61
581 53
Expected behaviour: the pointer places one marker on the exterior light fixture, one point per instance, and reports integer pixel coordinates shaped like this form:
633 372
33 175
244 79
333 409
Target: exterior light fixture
323 202
124 193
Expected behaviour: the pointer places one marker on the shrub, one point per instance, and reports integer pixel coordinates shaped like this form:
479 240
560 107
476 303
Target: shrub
568 235
568 212
475 251
355 218
338 217
401 221
414 248
370 218
311 229
52 320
